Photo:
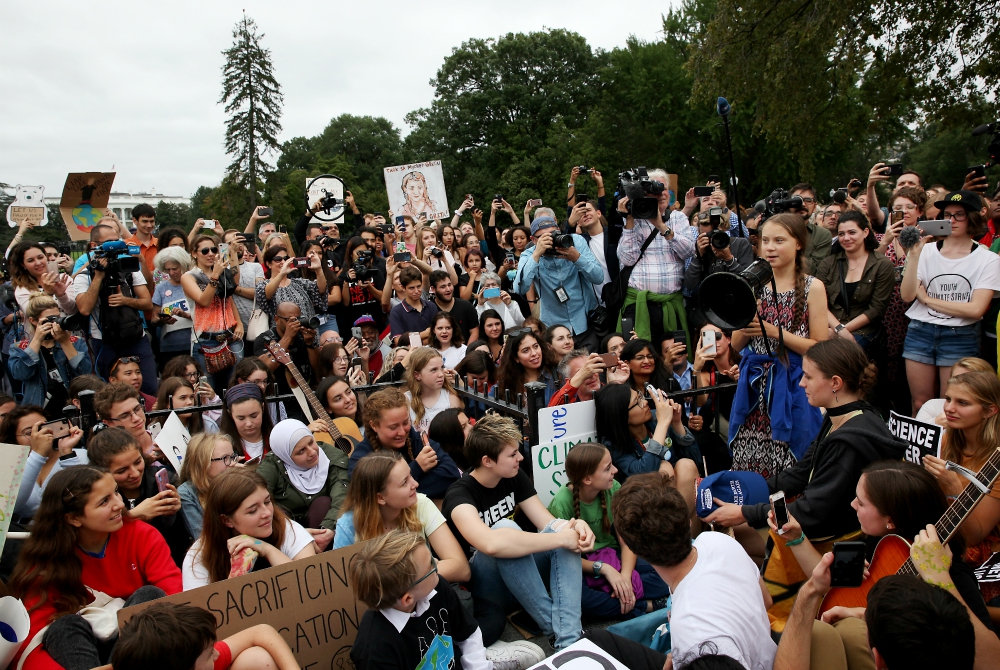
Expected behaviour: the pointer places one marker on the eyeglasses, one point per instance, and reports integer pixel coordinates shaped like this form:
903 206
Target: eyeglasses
340 359
204 251
229 460
904 208
434 569
126 360
191 375
138 411
807 199
644 357
957 216
831 213
279 259
640 401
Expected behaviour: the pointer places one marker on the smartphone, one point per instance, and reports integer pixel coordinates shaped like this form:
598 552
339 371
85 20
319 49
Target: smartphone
253 461
60 427
162 479
708 338
895 217
702 191
249 239
537 202
628 325
356 334
935 227
714 178
265 211
400 221
415 342
401 257
582 197
356 362
977 171
223 248
848 569
208 223
651 390
377 214
493 292
610 360
281 229
680 336
52 266
892 169
202 380
780 511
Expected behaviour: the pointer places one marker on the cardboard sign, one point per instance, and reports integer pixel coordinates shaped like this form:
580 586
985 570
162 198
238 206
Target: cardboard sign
28 204
315 187
549 465
557 423
924 438
84 201
172 440
309 601
415 189
12 460
581 655
989 572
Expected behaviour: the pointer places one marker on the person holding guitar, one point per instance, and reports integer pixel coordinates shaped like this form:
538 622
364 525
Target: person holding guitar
299 341
893 500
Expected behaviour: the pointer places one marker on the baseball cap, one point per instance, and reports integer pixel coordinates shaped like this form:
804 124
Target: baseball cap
541 223
739 488
971 201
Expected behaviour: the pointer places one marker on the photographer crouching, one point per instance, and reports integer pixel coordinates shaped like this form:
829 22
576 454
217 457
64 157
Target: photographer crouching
715 250
112 291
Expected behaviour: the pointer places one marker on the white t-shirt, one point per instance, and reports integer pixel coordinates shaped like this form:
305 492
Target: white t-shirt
452 356
80 285
442 403
954 280
597 247
931 410
720 602
195 575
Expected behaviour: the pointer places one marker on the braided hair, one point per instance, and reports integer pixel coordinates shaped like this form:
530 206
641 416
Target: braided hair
582 461
796 227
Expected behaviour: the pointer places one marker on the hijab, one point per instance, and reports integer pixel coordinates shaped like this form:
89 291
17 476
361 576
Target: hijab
284 437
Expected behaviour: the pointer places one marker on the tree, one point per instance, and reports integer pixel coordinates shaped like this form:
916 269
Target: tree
253 102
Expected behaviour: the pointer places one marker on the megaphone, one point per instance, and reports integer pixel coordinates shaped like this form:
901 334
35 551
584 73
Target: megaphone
729 300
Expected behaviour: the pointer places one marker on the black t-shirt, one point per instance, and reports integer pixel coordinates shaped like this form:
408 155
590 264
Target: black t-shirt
55 385
299 353
492 504
465 314
438 629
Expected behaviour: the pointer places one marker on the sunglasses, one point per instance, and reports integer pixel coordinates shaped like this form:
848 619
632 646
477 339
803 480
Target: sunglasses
124 359
279 259
204 251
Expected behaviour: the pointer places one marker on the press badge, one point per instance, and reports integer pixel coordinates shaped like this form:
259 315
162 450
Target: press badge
561 295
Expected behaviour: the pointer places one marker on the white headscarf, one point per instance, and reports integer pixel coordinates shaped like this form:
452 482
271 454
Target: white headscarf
284 437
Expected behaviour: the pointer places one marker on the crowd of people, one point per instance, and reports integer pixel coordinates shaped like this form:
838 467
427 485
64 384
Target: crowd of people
324 382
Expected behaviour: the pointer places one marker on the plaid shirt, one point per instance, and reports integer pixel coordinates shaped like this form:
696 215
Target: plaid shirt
661 269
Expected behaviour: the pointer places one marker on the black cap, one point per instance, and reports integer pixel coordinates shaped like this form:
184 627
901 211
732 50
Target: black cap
971 201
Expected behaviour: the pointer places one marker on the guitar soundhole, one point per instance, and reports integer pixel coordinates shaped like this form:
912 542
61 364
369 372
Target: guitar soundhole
344 445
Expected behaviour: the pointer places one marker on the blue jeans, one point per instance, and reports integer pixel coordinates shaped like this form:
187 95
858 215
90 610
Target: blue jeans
511 581
942 346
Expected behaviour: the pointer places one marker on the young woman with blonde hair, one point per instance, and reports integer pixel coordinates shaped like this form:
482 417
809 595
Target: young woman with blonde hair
207 457
429 390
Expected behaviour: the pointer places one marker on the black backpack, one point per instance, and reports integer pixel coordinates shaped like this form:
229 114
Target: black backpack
121 327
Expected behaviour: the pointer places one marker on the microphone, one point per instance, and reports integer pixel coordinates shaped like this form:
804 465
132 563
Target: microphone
980 130
723 108
909 236
760 207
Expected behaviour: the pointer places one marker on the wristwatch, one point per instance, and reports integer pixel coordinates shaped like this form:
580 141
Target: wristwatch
597 568
839 328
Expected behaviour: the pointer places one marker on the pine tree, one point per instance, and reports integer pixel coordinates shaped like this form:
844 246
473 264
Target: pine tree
253 102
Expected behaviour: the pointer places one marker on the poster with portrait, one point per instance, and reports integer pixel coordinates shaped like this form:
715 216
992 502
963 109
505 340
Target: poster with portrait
416 189
326 185
84 201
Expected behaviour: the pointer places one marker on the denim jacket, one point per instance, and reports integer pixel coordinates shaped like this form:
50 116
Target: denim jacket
28 365
577 279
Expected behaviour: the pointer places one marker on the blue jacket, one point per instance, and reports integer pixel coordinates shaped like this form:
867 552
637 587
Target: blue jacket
28 366
634 459
432 483
577 279
793 419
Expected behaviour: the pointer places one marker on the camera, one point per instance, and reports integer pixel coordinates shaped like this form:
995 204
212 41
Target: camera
559 241
437 253
718 238
643 193
329 201
360 266
778 202
64 249
116 263
583 169
71 322
310 322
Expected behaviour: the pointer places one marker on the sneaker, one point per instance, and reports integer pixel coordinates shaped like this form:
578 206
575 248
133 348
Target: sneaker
514 655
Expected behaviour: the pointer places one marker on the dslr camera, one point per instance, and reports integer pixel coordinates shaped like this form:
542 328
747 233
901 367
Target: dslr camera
643 193
311 322
360 266
559 241
112 252
583 169
67 323
719 239
777 203
437 253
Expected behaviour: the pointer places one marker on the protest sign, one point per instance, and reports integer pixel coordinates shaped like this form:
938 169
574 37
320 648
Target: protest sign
28 204
172 440
549 464
556 423
326 184
415 189
84 199
989 572
581 655
924 439
310 602
12 460
672 188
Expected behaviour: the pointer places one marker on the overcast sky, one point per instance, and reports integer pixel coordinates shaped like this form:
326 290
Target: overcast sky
134 85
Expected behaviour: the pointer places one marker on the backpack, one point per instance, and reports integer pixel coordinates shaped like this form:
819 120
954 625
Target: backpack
121 327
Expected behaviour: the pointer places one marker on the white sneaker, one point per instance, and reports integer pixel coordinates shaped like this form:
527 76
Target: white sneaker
514 655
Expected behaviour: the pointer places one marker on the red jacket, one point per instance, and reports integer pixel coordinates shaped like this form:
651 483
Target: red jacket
137 555
565 395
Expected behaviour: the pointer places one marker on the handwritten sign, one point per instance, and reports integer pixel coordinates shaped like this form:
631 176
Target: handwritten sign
549 464
924 439
12 460
84 199
581 655
563 421
172 440
989 572
310 602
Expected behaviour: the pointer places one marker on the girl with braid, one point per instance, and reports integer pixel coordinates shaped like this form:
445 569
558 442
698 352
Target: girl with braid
772 423
616 582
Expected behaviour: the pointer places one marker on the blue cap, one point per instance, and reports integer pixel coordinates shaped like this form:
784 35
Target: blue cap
541 223
740 488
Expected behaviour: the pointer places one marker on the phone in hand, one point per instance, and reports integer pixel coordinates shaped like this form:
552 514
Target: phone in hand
492 292
895 217
628 325
582 197
780 511
935 227
265 211
610 360
702 191
400 221
977 171
59 427
249 239
282 229
713 179
162 478
300 262
402 257
681 336
52 266
537 202
253 461
708 338
356 362
892 169
415 342
848 568
202 380
356 334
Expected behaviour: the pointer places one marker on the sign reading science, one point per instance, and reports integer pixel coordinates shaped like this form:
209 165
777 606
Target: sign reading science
310 602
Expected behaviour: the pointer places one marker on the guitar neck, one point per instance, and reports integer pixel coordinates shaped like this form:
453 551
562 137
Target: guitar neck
314 403
963 505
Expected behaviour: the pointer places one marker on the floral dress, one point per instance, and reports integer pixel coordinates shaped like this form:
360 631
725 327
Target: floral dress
752 447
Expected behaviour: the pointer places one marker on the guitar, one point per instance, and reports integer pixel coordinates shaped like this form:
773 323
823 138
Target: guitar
345 433
892 555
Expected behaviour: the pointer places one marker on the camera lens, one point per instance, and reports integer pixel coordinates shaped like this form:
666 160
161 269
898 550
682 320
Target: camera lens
719 239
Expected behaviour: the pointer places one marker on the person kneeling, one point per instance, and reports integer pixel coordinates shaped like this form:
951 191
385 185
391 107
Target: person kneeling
507 562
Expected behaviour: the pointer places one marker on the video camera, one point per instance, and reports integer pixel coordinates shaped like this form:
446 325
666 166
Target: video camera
116 263
360 266
643 193
778 202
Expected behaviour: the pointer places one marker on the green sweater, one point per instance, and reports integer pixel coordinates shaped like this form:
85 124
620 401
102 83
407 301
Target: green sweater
295 502
561 507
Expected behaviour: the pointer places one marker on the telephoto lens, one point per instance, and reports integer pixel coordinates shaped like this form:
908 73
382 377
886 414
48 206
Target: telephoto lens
311 322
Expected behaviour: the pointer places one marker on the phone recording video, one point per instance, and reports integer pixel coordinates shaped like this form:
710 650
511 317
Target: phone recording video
780 511
848 569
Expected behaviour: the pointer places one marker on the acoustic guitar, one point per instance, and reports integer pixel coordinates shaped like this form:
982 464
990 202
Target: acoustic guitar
345 433
892 555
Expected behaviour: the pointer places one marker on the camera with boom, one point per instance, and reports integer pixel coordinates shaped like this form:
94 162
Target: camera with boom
117 263
643 193
777 203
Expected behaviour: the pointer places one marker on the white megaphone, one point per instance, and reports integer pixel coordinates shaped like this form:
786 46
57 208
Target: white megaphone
14 627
